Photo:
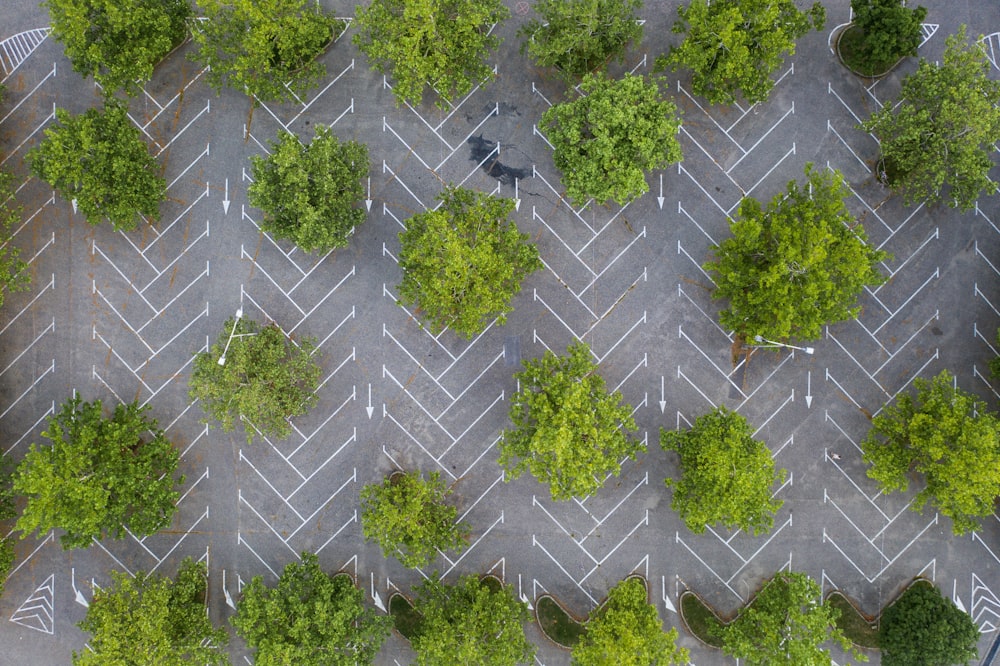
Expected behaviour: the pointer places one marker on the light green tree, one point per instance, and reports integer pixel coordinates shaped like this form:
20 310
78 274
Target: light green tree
13 276
950 438
7 511
925 628
726 474
568 430
440 44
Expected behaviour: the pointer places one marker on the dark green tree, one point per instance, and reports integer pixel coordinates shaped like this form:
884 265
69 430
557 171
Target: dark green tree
580 36
464 261
949 437
99 160
883 32
310 194
118 41
7 511
801 263
606 139
937 139
726 474
13 276
408 518
569 431
733 46
100 475
264 378
925 628
150 619
310 619
441 44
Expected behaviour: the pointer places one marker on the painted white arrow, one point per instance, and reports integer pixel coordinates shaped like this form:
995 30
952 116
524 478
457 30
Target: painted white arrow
368 199
225 592
517 200
78 596
659 199
74 206
225 199
663 395
369 408
809 398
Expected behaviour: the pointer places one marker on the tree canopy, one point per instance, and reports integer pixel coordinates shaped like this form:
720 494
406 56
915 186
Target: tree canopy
310 194
118 41
949 437
265 380
568 430
99 160
471 623
937 139
100 475
733 46
925 628
151 619
888 30
309 619
626 631
464 261
580 36
7 511
441 44
605 140
408 518
726 474
13 276
795 266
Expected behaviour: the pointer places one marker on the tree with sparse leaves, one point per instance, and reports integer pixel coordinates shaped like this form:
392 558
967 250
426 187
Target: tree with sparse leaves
726 474
151 619
99 160
938 138
950 438
732 47
310 194
925 628
568 431
464 261
309 619
258 376
100 476
607 139
13 276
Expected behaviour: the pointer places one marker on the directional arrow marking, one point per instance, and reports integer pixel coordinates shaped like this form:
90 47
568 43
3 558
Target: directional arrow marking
659 199
809 398
369 408
517 199
225 200
663 395
368 199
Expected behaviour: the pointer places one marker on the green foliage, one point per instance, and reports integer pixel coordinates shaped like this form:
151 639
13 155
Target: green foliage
266 380
437 43
118 41
943 129
309 619
855 626
733 46
949 437
153 620
925 628
784 625
700 619
726 474
13 276
7 511
795 266
580 36
470 623
464 261
626 631
310 194
407 517
608 138
890 30
267 48
557 625
99 475
569 432
100 160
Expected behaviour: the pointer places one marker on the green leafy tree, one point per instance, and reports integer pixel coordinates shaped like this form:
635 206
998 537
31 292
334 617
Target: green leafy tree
310 619
948 436
925 628
408 518
795 266
733 46
569 431
118 41
310 193
726 474
889 30
7 511
100 475
99 160
150 619
938 138
581 36
626 631
464 261
264 378
267 48
13 276
470 623
785 625
608 138
437 43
